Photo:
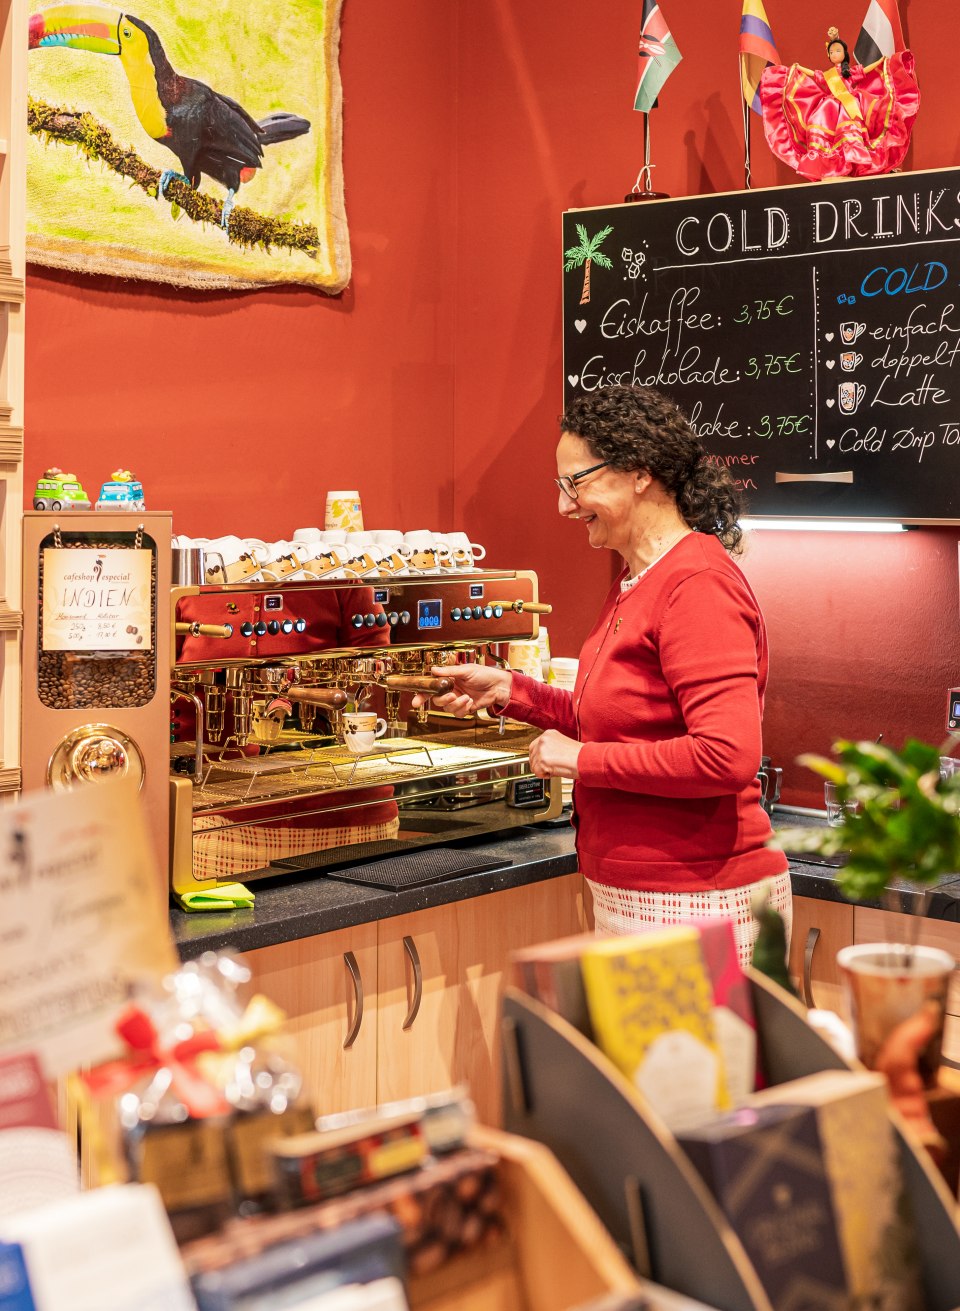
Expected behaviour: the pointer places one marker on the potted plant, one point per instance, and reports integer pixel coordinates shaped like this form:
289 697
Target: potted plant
898 823
900 818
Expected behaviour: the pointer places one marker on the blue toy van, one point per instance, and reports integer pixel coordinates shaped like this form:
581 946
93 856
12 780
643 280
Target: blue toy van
122 492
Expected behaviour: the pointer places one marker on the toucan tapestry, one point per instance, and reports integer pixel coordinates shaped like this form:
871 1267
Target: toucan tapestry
192 141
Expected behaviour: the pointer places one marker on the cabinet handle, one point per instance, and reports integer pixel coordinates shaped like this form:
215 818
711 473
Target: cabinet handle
813 937
353 970
410 947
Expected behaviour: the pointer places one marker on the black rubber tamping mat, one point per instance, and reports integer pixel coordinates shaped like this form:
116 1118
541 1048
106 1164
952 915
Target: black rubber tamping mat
413 869
818 858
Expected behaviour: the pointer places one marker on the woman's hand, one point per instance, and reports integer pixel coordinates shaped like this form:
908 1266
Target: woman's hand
554 756
474 688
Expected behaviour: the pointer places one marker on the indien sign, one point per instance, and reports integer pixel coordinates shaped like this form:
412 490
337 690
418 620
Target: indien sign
96 600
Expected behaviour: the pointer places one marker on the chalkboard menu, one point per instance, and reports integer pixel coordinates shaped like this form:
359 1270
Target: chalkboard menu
810 333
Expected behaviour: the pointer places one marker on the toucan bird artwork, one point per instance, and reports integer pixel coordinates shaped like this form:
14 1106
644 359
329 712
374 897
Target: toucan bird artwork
209 133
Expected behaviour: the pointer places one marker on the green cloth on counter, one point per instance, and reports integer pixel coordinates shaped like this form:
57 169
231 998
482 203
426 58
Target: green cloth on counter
227 896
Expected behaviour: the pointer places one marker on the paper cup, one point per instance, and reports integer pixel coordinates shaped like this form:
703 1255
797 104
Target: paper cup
887 984
343 511
524 657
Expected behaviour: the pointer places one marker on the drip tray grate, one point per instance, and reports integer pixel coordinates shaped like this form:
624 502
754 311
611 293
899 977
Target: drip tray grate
414 869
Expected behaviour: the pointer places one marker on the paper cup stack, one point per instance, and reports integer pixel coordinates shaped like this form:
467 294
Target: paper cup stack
563 673
343 511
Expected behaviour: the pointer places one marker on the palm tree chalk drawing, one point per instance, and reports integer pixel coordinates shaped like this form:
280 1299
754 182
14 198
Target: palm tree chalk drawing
587 253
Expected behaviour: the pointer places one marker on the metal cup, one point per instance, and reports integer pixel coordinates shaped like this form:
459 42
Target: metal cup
190 565
770 778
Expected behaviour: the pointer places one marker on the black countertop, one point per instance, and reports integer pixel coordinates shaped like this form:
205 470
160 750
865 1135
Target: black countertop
292 907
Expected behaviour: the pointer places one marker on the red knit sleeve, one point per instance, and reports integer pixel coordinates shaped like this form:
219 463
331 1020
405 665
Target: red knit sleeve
708 641
540 704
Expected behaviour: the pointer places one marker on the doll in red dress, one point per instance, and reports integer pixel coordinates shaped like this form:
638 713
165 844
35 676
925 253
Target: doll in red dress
849 121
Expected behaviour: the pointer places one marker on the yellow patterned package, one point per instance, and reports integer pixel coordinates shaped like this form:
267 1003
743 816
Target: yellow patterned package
651 1003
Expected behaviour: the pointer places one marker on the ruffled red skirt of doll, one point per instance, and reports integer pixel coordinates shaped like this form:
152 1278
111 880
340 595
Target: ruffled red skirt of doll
811 130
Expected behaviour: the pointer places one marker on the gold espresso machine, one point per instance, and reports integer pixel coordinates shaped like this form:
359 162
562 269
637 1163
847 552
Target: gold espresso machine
262 674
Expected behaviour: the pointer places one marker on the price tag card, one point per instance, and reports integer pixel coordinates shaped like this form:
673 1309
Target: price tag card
83 921
96 600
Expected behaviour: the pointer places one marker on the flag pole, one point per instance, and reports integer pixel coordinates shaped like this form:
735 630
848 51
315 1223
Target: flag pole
645 171
747 180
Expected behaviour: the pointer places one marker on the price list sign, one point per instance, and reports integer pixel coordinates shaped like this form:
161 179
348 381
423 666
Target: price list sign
96 600
811 334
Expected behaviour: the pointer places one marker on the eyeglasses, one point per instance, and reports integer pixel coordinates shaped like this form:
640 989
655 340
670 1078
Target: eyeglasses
568 483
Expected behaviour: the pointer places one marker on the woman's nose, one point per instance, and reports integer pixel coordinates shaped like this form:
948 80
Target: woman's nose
566 505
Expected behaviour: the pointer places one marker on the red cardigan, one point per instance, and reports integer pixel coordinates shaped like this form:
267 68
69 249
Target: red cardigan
667 702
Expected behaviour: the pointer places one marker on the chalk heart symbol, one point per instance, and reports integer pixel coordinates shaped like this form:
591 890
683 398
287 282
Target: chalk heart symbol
579 324
829 336
831 403
830 363
831 443
573 379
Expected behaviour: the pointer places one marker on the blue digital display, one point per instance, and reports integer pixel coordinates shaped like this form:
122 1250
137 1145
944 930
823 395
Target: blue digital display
429 614
381 595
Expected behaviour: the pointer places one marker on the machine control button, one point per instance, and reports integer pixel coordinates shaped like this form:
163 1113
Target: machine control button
300 625
478 612
498 612
273 626
393 617
370 620
404 616
381 620
357 621
286 626
260 628
467 613
455 613
488 612
246 629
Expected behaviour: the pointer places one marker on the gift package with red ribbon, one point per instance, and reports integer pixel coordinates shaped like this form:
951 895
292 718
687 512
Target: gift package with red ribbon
204 1081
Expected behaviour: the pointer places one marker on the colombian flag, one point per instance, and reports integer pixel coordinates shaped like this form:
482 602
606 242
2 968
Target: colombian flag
658 54
756 50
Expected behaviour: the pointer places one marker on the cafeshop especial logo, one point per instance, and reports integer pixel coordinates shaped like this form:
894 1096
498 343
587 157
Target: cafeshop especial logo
98 587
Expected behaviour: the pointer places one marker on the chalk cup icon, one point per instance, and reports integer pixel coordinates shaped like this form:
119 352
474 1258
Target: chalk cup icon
850 360
850 394
849 332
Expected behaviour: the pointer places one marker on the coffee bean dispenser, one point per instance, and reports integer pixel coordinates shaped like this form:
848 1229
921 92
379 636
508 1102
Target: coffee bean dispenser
95 695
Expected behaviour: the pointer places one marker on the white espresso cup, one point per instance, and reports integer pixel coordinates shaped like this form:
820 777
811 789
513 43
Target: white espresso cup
361 728
307 535
464 550
391 538
239 562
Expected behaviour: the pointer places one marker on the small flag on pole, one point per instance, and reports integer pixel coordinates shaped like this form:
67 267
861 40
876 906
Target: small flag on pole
757 50
881 33
658 54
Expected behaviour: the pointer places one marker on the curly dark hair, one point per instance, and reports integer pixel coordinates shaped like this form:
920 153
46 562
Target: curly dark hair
638 428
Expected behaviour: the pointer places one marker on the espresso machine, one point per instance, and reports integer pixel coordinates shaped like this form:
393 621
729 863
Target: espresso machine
263 781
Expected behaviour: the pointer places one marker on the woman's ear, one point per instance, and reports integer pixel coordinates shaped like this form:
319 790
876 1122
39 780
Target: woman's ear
643 481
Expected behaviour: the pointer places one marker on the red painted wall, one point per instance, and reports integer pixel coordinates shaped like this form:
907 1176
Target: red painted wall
434 382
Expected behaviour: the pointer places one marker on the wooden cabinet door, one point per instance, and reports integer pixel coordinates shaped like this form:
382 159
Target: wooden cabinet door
312 981
816 956
461 953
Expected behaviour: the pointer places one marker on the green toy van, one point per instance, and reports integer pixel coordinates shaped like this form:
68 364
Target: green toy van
57 490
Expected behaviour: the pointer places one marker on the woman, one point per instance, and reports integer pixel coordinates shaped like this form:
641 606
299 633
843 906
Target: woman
847 122
662 731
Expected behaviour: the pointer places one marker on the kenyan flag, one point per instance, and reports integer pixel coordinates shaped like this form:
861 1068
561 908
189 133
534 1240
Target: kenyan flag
659 56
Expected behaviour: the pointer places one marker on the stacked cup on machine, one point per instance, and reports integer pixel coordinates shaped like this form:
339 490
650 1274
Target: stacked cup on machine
563 674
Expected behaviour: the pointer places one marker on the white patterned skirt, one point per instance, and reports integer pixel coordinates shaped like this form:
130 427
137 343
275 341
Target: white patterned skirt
619 911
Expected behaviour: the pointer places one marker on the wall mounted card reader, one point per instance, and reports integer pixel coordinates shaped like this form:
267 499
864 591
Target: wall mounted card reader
953 709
